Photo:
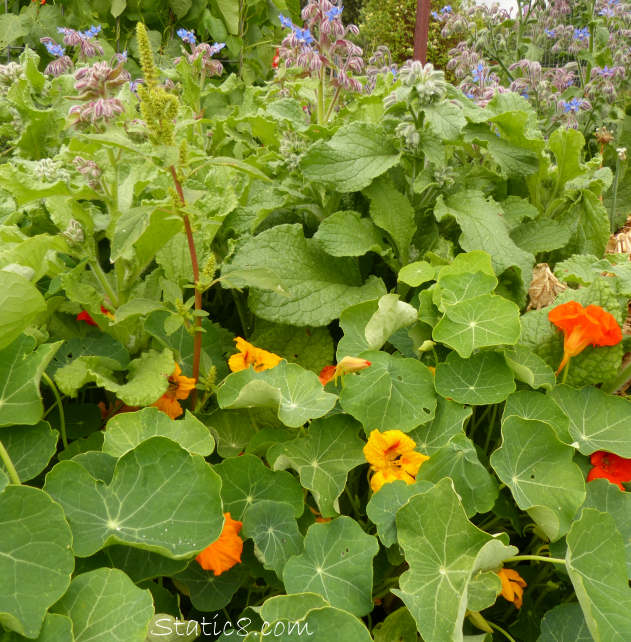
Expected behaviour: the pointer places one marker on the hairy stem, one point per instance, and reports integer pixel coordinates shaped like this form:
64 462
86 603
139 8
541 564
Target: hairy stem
537 558
197 340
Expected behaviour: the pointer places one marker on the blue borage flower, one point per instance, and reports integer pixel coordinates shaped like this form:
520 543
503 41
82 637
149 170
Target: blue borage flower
285 22
446 9
606 72
550 33
187 36
572 106
581 34
54 49
334 12
478 72
303 35
216 48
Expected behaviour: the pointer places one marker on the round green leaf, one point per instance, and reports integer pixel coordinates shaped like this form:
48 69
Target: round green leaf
294 392
210 592
449 421
441 547
246 480
417 273
337 564
595 562
160 499
454 288
274 530
105 605
30 448
598 421
529 404
56 628
383 506
36 559
322 458
20 303
232 430
564 623
529 367
459 461
540 473
483 379
125 431
20 372
139 565
485 320
392 392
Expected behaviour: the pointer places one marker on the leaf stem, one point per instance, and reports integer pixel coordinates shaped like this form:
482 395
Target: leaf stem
62 418
623 377
197 339
497 627
537 558
8 464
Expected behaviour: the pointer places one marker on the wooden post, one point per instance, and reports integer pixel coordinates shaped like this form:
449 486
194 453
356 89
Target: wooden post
423 8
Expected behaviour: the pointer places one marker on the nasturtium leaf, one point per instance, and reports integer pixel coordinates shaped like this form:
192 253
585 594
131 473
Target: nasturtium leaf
458 459
316 286
353 321
160 499
392 212
337 564
417 273
598 421
383 506
595 561
323 458
310 348
36 559
20 371
399 626
608 498
529 367
564 623
346 233
210 592
291 607
483 228
448 422
454 288
95 346
56 628
4 480
246 480
118 609
393 391
483 379
294 392
529 404
125 431
391 315
139 565
20 303
274 530
539 471
467 263
486 320
232 430
30 448
357 153
483 590
441 547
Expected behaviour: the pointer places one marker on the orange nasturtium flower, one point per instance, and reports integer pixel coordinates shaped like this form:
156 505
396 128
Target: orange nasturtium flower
513 586
391 456
582 327
609 466
179 388
250 355
225 552
345 366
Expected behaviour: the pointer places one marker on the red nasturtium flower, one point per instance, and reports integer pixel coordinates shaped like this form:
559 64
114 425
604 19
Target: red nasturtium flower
276 59
608 466
512 586
345 366
85 316
179 388
224 553
250 355
583 327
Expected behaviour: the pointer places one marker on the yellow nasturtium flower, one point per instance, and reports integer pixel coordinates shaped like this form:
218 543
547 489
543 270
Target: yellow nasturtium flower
391 456
250 355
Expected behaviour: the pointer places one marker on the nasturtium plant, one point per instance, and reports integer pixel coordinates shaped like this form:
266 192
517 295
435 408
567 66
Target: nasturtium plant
301 341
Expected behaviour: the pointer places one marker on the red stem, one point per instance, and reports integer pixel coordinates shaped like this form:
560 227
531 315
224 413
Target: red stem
197 341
